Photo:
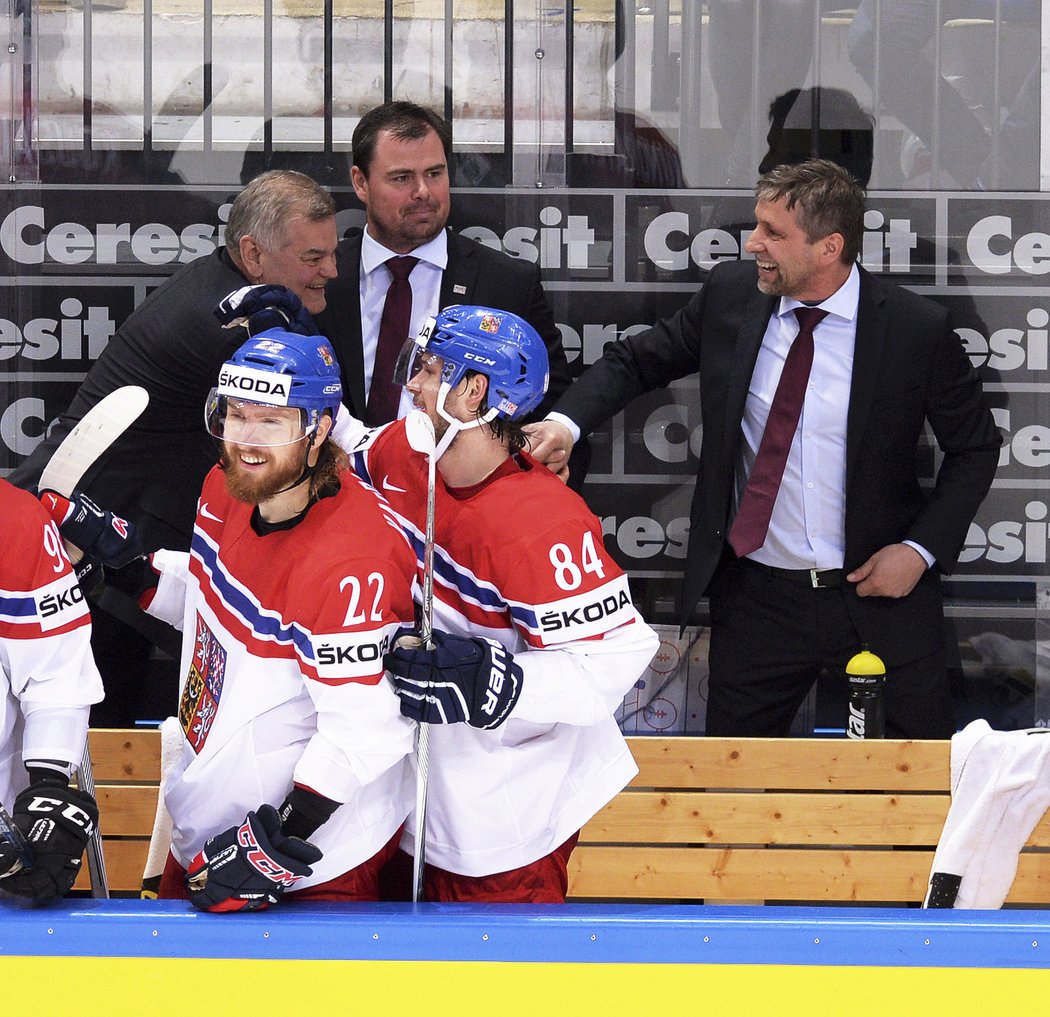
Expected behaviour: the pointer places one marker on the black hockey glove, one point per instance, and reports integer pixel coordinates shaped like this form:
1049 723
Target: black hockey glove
57 822
458 679
97 532
258 308
248 867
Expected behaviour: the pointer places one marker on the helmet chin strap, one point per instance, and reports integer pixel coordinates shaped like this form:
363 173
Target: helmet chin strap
455 425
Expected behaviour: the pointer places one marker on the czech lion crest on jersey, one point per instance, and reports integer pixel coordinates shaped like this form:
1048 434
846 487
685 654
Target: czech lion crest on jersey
203 689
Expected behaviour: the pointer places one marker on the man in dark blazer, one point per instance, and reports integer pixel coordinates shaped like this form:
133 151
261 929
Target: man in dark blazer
281 230
855 547
402 155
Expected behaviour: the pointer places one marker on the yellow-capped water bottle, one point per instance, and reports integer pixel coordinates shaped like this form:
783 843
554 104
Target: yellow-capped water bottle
866 679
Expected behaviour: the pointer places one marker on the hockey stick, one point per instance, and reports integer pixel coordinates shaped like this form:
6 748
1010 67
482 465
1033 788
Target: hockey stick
92 435
95 859
419 430
10 834
89 439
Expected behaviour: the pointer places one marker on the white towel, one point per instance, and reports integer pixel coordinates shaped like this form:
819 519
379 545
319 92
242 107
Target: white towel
1000 784
160 840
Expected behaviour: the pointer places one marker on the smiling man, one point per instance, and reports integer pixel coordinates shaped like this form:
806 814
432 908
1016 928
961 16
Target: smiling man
292 771
402 174
281 231
536 637
848 547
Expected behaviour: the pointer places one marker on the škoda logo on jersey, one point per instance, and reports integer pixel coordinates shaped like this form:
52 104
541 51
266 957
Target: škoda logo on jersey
248 383
59 603
351 656
586 614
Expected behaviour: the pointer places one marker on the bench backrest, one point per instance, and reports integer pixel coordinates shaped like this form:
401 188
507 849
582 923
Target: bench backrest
713 819
785 820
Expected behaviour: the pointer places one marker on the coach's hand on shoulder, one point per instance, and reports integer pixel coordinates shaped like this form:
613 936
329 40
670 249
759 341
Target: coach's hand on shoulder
249 866
56 821
100 534
550 442
456 679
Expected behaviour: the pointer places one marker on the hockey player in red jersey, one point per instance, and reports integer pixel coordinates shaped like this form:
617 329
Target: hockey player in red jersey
48 682
293 775
536 638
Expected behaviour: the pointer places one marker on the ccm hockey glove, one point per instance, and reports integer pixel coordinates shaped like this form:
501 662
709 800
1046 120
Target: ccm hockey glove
57 822
458 679
248 867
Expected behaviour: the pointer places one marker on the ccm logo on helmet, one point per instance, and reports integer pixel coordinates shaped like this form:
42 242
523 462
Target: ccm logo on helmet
479 359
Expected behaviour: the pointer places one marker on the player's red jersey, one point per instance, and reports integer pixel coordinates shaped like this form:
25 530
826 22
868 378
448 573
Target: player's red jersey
283 640
45 652
519 558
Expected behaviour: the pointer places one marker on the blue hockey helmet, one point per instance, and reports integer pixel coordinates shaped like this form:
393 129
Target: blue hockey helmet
279 368
499 344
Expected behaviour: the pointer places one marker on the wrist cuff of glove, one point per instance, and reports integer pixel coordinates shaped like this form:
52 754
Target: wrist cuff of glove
51 772
304 811
136 579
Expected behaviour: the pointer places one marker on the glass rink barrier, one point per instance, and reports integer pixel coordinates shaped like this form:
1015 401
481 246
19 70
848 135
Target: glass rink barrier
133 957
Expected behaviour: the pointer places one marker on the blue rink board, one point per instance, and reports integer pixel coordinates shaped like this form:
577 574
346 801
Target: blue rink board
574 933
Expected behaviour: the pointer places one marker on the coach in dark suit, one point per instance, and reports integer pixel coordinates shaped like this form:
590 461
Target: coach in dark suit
402 153
854 547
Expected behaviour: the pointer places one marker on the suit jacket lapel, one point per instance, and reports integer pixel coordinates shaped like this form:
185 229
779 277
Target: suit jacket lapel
872 322
749 339
461 273
346 325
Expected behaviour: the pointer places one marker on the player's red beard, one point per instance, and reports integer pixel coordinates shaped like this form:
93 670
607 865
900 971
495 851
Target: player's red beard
254 488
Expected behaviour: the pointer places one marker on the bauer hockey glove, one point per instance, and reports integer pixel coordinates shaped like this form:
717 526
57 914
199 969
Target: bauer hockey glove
258 308
248 867
56 821
458 679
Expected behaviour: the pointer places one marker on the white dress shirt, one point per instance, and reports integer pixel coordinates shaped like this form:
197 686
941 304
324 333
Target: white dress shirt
808 526
425 281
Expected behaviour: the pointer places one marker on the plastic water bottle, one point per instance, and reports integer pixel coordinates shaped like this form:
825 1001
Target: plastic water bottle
866 678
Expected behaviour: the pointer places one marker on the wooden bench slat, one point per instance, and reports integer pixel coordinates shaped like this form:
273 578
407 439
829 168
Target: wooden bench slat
126 811
741 873
769 818
125 860
797 763
788 874
772 817
123 756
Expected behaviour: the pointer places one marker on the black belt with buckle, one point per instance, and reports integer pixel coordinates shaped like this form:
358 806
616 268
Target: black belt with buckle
817 579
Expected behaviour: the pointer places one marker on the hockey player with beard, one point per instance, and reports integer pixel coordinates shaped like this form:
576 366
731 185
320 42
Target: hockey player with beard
536 639
48 681
293 772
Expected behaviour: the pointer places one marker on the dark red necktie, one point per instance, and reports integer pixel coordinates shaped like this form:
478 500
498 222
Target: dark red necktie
384 396
748 532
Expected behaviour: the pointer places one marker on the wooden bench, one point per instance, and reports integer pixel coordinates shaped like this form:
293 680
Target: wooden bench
784 820
707 819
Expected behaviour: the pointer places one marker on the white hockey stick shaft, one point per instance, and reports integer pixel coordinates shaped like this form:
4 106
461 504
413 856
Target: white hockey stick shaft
95 859
423 735
89 439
